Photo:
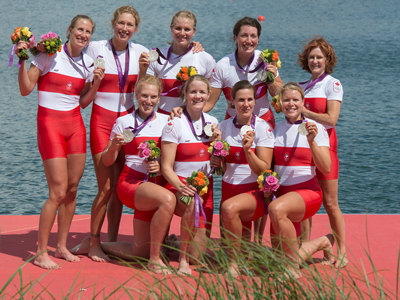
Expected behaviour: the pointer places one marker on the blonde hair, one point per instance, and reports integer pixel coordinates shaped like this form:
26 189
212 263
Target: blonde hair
76 19
129 10
192 78
290 86
186 14
148 79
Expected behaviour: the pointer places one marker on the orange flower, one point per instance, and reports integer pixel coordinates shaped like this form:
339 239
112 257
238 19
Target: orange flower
17 33
200 175
268 171
59 49
184 69
18 28
180 75
202 182
195 180
275 56
13 36
185 76
50 54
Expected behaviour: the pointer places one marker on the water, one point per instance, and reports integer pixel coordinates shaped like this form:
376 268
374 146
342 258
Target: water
364 35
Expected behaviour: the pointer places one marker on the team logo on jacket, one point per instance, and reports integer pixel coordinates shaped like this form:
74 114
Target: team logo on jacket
237 155
308 105
201 152
336 86
286 157
269 133
69 86
169 127
325 133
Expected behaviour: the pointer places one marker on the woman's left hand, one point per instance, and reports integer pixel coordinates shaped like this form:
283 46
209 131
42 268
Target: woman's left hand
312 131
215 161
248 140
143 62
216 133
153 166
272 68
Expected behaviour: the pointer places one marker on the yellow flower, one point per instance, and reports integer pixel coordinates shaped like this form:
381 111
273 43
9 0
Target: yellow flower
260 180
48 48
47 43
52 43
210 149
25 30
192 71
278 64
29 34
203 191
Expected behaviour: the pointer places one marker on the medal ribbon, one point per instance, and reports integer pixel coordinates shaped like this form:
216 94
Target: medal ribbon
249 64
169 53
122 77
71 58
310 85
189 119
145 122
266 205
303 119
252 122
197 207
11 59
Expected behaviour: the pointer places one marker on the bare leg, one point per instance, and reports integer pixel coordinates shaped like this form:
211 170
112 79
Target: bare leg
323 243
114 210
76 166
259 228
233 211
305 230
331 204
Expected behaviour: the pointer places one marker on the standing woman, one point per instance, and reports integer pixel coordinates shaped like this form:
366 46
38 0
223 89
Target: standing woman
64 84
249 155
114 99
240 65
297 157
184 150
179 54
323 98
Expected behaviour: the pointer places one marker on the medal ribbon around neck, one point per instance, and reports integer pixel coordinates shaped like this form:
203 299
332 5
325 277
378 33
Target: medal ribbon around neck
303 119
123 77
189 119
252 122
310 85
71 58
137 126
169 54
249 64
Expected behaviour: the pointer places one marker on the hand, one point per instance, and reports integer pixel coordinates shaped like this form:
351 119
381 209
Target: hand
40 46
188 190
143 62
176 112
197 47
21 45
305 111
272 68
267 194
153 166
216 133
118 139
312 131
248 140
215 161
98 75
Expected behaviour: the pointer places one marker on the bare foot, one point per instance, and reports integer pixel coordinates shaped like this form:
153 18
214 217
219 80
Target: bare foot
296 273
64 253
158 267
341 261
233 269
184 268
44 261
82 248
327 248
97 254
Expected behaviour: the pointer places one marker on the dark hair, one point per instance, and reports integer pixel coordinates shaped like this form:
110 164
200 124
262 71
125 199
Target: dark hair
318 42
76 19
246 21
242 85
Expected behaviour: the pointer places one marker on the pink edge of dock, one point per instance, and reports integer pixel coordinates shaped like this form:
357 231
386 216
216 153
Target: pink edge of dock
377 235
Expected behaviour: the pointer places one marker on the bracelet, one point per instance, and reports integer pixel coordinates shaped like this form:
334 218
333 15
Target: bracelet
108 154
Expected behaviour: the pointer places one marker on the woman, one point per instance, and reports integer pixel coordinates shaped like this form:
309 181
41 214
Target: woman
296 157
323 98
176 56
114 99
185 146
153 204
250 154
64 83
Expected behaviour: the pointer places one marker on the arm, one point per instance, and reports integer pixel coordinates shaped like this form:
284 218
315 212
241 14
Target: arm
90 89
278 83
110 152
320 155
261 159
26 79
329 118
215 94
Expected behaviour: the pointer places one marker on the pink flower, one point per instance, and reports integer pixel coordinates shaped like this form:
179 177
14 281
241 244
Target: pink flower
143 146
52 35
217 152
224 153
44 36
267 189
32 41
271 181
145 153
218 145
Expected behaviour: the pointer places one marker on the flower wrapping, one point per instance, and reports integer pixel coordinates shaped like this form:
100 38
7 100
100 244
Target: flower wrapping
219 148
199 181
21 34
150 151
268 56
268 181
52 44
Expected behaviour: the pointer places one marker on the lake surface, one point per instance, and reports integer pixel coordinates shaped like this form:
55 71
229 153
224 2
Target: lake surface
364 35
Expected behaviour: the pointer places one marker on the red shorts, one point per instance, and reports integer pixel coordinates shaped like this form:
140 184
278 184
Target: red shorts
101 123
268 117
128 182
60 133
208 205
311 193
334 173
231 190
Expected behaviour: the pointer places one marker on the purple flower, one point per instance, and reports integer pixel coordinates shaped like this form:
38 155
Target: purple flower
218 145
143 146
224 153
145 153
217 152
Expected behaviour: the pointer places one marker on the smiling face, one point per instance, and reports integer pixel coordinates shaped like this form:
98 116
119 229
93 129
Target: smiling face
292 103
79 35
244 102
247 39
124 28
182 32
196 95
147 97
316 62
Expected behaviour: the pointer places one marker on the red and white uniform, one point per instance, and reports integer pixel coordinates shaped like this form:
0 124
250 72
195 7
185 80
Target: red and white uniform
227 74
295 166
107 105
60 126
316 99
238 177
202 61
135 168
191 155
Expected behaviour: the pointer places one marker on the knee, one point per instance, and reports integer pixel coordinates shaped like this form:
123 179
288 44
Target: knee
275 211
331 207
58 196
169 202
228 211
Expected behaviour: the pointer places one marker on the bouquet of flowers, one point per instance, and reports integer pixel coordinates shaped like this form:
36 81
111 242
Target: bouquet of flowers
218 148
267 56
275 103
150 151
268 181
198 180
185 72
21 34
52 44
